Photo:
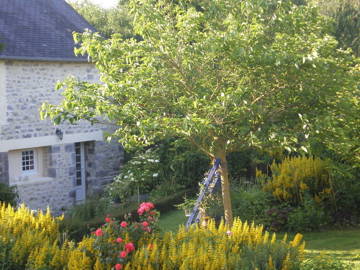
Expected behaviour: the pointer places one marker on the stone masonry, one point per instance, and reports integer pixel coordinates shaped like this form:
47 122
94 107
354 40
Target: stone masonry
4 168
28 84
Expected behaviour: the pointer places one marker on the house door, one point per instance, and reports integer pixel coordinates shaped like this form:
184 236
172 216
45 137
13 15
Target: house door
80 189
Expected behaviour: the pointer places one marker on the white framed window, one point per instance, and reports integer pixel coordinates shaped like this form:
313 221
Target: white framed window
28 161
28 165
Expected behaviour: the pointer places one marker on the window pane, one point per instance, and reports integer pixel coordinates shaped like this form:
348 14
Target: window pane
28 162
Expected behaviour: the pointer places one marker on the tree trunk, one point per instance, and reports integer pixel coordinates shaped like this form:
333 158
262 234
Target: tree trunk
225 186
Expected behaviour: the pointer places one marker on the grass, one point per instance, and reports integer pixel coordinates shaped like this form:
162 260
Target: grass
341 244
170 221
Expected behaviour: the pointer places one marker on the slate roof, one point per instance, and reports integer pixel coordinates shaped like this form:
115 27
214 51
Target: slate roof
39 30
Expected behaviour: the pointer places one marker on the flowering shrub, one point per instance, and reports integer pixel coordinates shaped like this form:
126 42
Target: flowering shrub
295 177
115 242
22 232
32 241
138 175
241 246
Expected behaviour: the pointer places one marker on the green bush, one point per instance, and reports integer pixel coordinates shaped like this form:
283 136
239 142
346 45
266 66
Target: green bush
93 207
309 217
277 217
81 220
251 204
161 170
5 260
347 194
8 194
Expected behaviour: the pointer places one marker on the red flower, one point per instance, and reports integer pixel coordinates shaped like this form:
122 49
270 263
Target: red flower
123 224
123 254
152 213
107 220
118 266
145 224
119 240
98 232
129 247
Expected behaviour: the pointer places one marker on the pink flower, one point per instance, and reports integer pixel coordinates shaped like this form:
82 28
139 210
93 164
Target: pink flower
229 233
145 207
107 220
145 224
123 254
129 247
123 224
119 240
118 266
152 213
98 232
141 211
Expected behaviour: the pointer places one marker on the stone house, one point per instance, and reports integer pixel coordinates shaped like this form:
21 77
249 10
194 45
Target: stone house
54 166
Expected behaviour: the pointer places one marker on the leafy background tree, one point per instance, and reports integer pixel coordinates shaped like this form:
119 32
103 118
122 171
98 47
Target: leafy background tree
346 15
107 21
259 74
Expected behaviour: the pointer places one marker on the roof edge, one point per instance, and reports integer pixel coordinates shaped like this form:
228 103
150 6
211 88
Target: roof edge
44 59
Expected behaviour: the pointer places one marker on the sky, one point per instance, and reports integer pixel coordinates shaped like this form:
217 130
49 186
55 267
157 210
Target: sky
102 3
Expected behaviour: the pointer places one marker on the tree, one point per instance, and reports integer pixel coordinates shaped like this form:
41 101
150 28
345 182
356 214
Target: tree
107 21
347 25
226 76
346 16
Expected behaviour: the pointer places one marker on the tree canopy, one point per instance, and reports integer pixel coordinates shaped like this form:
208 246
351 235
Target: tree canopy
107 21
225 76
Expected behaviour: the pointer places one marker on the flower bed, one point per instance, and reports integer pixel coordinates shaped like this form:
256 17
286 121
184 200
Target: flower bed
33 241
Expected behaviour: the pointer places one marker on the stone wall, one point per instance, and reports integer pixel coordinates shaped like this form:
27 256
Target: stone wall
57 190
4 168
103 162
29 84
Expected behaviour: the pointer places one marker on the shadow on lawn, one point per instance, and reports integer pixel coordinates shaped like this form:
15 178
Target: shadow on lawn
343 245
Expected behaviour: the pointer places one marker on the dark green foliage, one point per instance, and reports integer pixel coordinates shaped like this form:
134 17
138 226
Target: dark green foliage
276 217
347 194
5 261
346 15
82 219
250 204
347 26
93 207
309 217
257 257
8 194
161 170
243 164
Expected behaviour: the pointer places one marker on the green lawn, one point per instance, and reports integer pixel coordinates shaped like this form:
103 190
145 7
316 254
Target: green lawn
170 221
344 245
